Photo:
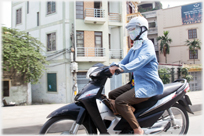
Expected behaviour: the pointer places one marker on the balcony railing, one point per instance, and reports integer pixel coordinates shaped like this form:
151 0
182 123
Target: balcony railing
90 52
114 17
152 30
150 14
115 53
94 16
93 12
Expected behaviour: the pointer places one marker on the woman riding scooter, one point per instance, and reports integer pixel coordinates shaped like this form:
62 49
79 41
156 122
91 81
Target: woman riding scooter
141 61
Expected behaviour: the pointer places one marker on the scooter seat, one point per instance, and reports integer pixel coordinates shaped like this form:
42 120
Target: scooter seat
168 89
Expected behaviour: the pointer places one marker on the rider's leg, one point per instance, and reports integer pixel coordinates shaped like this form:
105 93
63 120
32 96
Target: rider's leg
118 91
122 103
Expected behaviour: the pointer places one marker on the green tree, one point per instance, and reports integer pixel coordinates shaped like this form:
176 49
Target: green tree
165 74
193 46
164 44
185 74
21 55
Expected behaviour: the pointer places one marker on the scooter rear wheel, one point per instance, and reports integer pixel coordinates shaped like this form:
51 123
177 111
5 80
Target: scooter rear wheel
62 126
181 120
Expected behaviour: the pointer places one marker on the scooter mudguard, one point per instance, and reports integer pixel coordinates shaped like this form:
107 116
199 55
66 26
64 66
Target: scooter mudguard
185 102
71 110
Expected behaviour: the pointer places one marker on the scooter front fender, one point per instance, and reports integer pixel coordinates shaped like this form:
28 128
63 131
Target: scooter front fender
71 110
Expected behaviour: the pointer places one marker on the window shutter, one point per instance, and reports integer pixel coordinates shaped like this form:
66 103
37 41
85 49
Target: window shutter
53 7
52 82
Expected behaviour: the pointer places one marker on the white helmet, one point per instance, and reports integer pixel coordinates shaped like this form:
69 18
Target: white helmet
138 21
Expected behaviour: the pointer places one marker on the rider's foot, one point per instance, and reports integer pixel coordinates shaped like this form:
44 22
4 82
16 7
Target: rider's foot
138 131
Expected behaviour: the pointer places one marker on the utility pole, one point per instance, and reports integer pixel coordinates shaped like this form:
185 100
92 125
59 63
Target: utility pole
74 65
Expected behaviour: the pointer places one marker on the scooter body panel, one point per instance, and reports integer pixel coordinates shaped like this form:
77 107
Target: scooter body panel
72 110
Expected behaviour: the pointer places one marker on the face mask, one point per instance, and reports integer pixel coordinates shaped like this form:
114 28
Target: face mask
138 43
134 33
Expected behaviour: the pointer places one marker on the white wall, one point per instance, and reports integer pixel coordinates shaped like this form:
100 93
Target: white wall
67 10
58 15
114 7
35 34
115 38
17 94
40 93
67 39
59 37
32 15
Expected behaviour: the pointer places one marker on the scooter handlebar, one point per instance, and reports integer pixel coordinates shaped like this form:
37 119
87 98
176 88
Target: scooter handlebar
117 71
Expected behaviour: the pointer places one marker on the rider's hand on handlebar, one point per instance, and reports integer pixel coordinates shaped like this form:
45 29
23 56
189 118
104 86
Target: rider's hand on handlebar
112 69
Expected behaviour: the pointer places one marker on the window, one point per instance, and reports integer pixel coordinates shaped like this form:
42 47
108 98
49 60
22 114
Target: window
192 34
27 7
130 9
80 43
98 39
98 44
109 38
152 25
6 88
51 42
38 21
51 7
52 82
79 10
18 16
191 54
81 80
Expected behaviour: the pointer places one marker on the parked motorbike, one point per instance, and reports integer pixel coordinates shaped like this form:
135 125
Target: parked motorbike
165 113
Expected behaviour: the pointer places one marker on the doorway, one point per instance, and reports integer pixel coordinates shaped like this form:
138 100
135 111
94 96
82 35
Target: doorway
6 88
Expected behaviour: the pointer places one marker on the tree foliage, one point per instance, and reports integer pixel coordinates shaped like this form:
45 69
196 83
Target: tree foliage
193 46
21 55
164 44
165 74
185 74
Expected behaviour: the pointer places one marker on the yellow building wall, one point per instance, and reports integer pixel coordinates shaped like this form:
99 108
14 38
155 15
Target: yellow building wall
88 4
89 43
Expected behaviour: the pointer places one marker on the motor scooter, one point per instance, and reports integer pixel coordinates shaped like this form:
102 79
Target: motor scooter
90 114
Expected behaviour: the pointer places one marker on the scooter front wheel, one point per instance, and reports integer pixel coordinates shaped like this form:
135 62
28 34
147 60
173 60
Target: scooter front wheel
64 126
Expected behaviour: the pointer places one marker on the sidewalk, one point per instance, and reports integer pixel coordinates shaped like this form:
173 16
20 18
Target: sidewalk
32 117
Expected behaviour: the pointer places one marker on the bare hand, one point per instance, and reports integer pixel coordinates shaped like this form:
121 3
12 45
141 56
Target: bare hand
112 69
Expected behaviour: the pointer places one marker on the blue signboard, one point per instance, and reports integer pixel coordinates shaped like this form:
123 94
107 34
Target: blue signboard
191 13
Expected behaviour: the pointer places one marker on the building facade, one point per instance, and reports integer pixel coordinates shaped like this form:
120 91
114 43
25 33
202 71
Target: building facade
49 22
76 35
100 38
183 23
170 19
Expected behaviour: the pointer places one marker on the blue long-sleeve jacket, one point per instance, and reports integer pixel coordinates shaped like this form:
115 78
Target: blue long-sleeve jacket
143 63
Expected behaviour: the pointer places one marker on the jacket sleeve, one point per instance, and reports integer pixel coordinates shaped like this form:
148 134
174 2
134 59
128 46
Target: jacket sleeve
145 56
123 61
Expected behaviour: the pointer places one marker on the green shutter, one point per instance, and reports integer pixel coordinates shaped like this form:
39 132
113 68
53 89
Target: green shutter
52 82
